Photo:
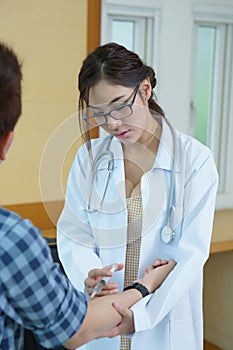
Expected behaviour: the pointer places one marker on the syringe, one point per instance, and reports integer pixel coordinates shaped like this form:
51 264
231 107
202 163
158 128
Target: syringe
103 282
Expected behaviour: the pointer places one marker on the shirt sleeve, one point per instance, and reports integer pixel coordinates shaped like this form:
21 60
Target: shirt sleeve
37 295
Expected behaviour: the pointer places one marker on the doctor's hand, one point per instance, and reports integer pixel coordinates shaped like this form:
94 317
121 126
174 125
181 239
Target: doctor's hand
95 276
126 326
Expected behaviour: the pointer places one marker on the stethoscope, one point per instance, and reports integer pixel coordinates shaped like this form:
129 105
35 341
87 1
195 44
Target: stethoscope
103 155
167 233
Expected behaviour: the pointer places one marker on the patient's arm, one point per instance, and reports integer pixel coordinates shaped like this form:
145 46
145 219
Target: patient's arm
101 315
126 325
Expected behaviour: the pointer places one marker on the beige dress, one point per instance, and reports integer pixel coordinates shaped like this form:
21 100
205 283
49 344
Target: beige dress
134 206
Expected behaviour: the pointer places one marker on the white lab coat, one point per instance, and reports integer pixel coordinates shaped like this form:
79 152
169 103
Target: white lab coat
171 318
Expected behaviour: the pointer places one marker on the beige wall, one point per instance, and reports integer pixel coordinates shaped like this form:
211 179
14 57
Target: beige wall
218 294
50 37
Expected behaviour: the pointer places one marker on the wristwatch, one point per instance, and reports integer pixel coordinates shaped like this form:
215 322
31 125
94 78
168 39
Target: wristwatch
140 287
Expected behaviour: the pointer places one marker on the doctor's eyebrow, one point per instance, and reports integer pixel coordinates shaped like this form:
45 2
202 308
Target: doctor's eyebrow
112 101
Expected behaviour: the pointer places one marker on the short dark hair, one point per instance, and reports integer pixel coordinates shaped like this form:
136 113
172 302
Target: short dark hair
10 89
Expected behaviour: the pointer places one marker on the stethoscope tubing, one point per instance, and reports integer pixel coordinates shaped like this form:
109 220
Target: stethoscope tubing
109 154
167 233
172 183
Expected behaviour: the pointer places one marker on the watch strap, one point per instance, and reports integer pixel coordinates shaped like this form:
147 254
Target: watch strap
140 287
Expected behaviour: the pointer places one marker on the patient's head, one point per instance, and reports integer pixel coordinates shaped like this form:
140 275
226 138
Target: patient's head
10 89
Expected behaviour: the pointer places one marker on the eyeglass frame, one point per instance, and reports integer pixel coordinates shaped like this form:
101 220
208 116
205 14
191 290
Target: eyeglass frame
130 105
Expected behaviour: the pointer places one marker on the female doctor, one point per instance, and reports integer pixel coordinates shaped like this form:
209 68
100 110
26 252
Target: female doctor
145 191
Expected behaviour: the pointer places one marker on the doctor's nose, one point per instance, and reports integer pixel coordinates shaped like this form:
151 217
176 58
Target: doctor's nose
113 123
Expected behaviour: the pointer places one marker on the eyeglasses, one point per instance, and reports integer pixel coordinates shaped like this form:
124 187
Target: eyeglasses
121 112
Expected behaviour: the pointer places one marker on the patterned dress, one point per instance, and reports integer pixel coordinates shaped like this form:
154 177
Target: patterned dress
134 206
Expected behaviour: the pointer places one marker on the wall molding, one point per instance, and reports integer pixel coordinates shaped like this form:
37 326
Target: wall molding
45 216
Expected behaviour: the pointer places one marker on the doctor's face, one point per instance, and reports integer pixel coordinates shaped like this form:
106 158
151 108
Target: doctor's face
119 110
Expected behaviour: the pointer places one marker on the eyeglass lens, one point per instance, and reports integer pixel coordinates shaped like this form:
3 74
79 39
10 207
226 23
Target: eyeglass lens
121 112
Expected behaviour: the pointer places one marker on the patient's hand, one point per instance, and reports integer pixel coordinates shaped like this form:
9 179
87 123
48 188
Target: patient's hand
153 277
155 274
157 263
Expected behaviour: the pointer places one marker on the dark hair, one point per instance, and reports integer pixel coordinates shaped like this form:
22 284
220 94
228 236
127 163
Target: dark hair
117 65
10 89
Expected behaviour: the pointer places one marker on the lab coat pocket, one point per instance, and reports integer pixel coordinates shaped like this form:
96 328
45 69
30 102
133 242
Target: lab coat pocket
182 334
181 328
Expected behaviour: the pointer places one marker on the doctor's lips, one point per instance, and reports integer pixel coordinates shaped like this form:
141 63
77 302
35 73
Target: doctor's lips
122 135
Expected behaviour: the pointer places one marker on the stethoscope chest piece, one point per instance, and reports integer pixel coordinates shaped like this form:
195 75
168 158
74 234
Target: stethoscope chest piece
167 234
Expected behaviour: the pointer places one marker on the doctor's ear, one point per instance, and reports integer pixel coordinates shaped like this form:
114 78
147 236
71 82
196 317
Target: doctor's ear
145 89
5 143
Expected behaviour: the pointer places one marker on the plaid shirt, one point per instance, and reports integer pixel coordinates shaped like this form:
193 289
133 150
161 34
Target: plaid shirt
34 294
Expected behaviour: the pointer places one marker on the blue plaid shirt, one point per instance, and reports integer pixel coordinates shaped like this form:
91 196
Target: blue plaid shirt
34 294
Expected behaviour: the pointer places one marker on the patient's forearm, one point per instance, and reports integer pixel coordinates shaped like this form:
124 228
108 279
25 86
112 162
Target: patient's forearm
101 316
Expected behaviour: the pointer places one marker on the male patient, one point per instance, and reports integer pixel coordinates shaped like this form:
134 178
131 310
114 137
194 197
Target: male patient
34 294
